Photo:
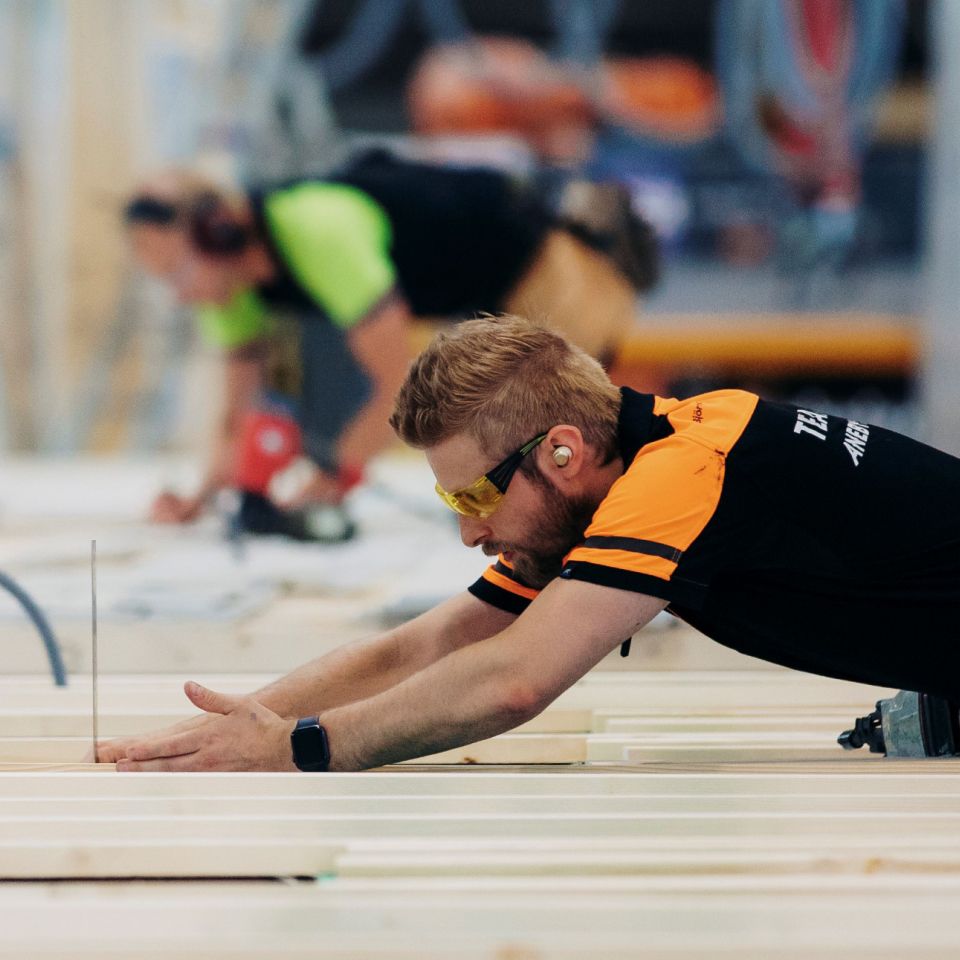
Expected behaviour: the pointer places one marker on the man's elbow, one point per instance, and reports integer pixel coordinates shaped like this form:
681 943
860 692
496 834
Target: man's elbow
519 701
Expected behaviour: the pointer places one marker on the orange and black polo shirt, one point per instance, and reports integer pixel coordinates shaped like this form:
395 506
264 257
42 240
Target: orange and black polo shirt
819 543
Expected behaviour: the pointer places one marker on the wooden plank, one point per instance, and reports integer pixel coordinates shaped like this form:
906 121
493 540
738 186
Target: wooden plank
748 826
828 725
612 693
750 745
654 854
53 767
733 753
568 857
734 696
499 923
191 856
44 749
62 722
901 778
526 748
280 805
559 720
836 766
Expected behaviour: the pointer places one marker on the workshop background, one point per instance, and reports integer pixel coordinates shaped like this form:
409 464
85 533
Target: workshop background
686 801
785 268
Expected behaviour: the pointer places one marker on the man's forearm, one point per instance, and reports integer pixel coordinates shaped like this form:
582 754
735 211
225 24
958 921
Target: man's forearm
365 668
469 695
354 671
490 687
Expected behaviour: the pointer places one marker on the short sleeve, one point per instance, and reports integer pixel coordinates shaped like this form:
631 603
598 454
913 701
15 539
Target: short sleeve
241 322
336 242
502 588
650 518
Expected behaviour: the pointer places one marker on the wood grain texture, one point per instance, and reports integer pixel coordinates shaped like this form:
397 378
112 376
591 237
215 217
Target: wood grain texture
705 811
496 921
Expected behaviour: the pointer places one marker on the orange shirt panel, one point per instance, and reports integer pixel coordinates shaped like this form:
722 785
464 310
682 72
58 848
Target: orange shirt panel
715 419
498 579
671 490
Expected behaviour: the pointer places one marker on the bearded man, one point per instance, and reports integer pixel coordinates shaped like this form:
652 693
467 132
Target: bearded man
804 539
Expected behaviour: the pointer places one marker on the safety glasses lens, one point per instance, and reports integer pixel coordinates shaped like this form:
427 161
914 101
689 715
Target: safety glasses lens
478 500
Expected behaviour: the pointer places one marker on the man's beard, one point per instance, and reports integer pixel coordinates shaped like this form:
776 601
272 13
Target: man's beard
556 529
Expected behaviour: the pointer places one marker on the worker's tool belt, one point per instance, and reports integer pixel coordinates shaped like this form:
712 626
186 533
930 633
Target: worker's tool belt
602 216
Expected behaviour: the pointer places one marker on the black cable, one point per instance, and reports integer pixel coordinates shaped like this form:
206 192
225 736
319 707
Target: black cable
42 625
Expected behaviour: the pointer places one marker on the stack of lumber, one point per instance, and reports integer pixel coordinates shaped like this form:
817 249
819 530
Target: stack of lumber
642 815
670 813
607 717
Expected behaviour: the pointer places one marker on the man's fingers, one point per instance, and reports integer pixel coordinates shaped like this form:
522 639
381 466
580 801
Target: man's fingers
209 700
108 752
182 764
180 745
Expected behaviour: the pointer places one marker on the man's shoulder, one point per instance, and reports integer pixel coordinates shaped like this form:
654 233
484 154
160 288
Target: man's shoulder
716 419
671 487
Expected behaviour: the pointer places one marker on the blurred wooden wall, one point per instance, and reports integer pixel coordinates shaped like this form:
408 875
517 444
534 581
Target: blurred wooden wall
94 94
72 91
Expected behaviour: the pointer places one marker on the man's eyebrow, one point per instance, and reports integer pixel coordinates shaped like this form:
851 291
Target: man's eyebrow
460 486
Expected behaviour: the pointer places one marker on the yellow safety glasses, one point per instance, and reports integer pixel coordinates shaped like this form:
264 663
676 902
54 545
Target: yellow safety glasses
482 497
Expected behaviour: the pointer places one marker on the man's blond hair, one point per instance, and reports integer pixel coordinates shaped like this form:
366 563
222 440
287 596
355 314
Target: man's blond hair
502 380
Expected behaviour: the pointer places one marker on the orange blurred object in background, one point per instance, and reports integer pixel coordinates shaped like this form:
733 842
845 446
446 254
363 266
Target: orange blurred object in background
665 97
500 85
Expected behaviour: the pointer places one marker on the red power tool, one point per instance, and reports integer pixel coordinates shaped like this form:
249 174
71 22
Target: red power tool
269 440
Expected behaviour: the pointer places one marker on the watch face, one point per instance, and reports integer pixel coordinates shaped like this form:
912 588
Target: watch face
311 751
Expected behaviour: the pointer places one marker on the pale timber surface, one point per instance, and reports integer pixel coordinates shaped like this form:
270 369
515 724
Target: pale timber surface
683 803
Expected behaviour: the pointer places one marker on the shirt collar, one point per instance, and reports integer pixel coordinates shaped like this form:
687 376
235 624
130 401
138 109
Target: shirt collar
635 423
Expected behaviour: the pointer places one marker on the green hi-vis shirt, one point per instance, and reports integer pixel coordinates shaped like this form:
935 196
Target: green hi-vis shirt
332 243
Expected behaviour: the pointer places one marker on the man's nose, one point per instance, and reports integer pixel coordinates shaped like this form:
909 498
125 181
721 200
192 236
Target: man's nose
473 531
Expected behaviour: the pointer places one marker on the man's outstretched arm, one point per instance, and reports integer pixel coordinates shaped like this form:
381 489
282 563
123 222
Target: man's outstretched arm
355 671
492 686
477 690
364 668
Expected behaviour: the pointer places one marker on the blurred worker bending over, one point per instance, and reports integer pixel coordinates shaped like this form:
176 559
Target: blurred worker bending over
308 288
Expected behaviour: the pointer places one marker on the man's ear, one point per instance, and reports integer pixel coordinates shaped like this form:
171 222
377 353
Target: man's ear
563 453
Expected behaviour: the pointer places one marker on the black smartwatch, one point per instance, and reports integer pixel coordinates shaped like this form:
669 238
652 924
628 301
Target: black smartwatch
311 751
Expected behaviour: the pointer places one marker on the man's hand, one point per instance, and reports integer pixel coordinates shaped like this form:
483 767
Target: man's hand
112 751
241 734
